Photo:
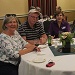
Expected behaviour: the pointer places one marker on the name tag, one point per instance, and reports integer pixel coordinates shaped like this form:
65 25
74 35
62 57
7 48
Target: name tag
63 27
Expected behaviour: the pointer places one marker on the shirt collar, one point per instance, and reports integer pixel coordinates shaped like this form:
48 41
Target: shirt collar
29 25
61 22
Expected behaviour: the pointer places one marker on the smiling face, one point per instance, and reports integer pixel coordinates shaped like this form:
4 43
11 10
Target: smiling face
32 18
12 25
59 17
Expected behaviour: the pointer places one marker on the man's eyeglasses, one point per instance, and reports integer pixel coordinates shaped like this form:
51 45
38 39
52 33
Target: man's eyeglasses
34 17
8 15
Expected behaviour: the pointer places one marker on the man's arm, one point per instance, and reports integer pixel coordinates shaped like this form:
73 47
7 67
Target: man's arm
29 41
43 39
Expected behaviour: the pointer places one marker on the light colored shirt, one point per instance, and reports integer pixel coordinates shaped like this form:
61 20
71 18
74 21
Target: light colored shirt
10 46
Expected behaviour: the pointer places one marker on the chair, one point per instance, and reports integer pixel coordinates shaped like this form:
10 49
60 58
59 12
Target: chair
46 26
72 27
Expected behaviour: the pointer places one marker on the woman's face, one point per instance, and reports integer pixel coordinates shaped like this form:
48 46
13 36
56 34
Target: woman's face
12 25
59 17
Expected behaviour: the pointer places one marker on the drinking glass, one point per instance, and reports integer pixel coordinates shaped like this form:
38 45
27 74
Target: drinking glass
56 44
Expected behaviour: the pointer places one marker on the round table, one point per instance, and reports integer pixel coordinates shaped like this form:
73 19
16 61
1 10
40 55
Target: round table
64 64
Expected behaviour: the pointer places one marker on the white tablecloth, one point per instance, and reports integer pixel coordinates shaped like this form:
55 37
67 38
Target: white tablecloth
64 65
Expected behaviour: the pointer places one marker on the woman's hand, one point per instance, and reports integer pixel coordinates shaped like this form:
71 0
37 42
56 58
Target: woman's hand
28 48
32 46
37 49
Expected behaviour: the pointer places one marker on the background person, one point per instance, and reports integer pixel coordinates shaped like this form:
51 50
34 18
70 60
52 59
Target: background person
32 31
72 27
59 25
58 9
12 46
32 7
39 10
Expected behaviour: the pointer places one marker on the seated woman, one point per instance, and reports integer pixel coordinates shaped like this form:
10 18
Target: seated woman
12 46
59 25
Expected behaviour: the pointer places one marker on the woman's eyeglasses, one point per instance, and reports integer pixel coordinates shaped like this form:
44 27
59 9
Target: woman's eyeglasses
8 15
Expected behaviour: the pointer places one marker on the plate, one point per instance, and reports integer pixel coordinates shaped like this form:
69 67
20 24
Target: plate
39 60
42 46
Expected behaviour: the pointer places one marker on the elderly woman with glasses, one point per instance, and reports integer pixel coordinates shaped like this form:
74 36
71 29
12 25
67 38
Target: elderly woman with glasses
12 46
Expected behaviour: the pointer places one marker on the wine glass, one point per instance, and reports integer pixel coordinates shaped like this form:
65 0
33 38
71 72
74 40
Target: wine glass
55 43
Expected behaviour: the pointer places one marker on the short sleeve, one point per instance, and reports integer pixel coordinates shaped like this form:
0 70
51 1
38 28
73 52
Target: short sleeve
21 30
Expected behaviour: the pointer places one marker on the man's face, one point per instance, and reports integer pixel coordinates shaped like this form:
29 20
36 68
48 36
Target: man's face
32 18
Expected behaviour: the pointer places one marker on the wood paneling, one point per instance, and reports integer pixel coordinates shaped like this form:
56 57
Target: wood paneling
22 20
17 7
70 15
1 25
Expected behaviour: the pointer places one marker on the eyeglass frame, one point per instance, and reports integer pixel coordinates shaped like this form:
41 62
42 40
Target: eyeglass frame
34 17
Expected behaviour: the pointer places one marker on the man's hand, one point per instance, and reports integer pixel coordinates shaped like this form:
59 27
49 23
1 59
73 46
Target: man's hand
43 40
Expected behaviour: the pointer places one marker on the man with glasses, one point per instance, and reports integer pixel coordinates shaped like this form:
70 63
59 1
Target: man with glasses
32 31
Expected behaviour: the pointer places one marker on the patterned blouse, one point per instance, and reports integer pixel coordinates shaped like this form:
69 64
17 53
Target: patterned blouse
10 46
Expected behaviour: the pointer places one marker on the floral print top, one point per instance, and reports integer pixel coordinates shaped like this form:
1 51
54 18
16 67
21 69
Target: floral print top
10 46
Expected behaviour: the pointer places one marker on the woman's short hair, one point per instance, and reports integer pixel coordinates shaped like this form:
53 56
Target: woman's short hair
57 13
58 8
7 19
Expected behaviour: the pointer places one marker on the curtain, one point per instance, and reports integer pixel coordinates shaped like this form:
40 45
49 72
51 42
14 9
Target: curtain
47 6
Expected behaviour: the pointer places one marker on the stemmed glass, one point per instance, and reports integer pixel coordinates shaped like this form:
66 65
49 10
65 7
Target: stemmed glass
57 42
